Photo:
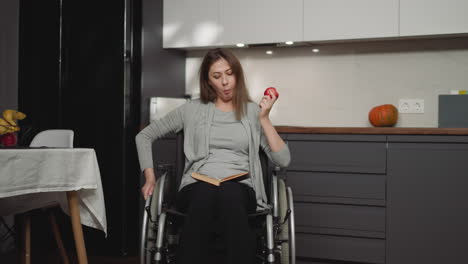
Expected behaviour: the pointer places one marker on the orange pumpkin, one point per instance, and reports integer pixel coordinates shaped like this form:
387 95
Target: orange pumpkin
383 115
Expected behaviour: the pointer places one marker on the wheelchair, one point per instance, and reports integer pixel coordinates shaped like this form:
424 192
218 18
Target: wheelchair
274 226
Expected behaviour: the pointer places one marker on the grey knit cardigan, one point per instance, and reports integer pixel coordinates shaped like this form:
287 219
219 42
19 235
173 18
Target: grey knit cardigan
195 118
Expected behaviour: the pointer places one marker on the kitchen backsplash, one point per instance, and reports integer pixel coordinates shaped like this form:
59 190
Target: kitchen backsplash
340 84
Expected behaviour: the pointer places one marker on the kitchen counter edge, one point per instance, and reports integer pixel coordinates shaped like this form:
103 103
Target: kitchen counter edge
372 130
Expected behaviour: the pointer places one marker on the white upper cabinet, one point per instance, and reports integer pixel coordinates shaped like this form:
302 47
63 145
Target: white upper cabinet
350 19
208 23
190 23
432 17
260 21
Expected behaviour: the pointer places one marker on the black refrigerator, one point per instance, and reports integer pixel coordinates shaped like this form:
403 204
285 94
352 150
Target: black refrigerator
80 68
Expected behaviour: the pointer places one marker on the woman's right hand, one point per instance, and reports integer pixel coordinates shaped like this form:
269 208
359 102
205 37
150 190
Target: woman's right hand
150 181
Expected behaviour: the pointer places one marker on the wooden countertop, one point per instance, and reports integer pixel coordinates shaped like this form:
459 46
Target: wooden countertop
372 130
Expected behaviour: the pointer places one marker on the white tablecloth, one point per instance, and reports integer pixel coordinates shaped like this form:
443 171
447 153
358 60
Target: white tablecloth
34 178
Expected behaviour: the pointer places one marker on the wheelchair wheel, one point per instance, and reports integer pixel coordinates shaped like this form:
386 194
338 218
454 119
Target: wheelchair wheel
284 231
292 228
149 228
286 234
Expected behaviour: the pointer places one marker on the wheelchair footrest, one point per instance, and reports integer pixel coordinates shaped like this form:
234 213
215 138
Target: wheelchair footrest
260 213
175 212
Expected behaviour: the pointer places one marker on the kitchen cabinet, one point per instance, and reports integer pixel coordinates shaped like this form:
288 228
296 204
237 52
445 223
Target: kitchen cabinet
380 195
208 23
427 203
432 17
205 23
338 183
260 21
350 19
188 23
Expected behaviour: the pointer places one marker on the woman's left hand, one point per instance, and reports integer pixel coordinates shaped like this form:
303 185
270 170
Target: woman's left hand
266 104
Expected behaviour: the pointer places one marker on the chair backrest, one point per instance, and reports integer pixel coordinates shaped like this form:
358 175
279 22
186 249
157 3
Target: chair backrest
59 138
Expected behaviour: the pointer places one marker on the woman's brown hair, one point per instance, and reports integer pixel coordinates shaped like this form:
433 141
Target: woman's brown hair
208 94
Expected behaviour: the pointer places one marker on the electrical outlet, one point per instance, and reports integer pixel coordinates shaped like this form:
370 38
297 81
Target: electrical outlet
418 106
411 106
404 106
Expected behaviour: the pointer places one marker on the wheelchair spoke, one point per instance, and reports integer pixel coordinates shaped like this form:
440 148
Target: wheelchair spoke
150 218
286 217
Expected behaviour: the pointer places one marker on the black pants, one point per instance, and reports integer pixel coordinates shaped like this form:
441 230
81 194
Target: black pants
204 204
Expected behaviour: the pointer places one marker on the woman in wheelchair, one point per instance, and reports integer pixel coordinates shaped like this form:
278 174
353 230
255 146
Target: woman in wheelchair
223 133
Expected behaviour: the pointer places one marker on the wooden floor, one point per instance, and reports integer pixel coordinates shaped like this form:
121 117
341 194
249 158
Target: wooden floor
13 258
114 260
44 248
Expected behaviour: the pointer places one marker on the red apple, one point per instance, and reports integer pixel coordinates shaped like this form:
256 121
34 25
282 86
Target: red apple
273 89
9 139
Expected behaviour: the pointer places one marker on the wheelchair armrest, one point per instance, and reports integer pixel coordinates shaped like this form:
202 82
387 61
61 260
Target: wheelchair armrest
274 193
159 191
165 183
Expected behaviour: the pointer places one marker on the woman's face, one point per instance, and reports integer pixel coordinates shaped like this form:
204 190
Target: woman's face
222 79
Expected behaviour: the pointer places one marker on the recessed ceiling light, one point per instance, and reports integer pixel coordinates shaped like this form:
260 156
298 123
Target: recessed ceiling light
269 52
289 42
240 45
315 50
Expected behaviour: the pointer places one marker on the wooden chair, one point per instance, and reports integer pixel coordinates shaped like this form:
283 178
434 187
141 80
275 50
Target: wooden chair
60 138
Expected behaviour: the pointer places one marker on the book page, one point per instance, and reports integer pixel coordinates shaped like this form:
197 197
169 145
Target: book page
210 180
234 176
205 178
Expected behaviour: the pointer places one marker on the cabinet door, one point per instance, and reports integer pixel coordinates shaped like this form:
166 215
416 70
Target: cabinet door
260 21
350 19
427 203
430 17
189 23
338 183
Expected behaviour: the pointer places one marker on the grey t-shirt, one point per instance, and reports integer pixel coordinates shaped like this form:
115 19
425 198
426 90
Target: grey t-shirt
228 148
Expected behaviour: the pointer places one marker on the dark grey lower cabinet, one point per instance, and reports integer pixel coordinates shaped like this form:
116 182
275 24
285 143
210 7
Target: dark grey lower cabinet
338 183
394 199
373 198
344 248
427 200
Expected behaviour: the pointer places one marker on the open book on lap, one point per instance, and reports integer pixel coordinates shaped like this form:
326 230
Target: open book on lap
208 179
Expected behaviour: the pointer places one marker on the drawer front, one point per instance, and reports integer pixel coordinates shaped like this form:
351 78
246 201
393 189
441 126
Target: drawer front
340 248
324 156
330 187
338 219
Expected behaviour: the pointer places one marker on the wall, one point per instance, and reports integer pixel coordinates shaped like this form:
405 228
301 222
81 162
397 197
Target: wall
162 71
9 23
340 84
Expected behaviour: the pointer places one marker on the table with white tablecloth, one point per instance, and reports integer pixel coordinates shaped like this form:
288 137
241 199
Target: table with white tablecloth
37 177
